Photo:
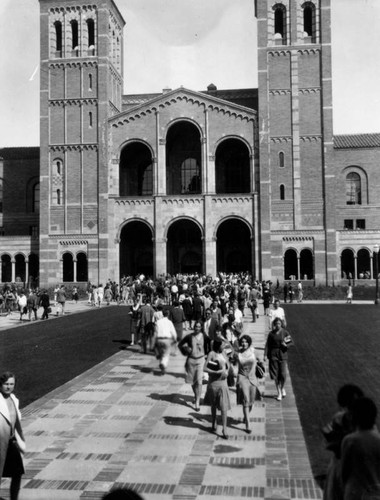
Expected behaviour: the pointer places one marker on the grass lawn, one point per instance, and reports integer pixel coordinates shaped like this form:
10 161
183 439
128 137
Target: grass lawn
47 354
334 345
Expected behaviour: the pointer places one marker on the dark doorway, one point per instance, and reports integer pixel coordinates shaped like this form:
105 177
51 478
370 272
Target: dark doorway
184 248
232 167
234 247
136 249
347 264
306 264
291 265
136 170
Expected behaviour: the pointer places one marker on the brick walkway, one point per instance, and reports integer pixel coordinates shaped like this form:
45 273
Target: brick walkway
122 424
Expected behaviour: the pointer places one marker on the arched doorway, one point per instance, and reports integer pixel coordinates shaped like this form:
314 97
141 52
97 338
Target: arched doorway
290 264
183 159
184 247
363 264
67 267
33 270
232 167
136 249
6 268
306 264
347 264
233 247
136 170
20 267
82 267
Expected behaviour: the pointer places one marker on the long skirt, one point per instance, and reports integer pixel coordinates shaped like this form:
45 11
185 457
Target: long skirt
13 462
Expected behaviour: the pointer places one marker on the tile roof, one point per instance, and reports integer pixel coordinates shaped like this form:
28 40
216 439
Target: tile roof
20 153
356 141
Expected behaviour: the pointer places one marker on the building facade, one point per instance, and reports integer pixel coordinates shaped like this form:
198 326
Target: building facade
198 181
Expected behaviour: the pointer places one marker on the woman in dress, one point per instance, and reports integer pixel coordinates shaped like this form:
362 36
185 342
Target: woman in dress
276 351
246 385
135 315
217 394
195 346
12 443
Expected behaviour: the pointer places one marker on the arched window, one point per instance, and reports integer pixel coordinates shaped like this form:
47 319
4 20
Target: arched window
353 189
281 159
306 264
82 267
136 170
282 192
90 119
190 178
363 264
59 199
58 167
91 36
232 167
90 81
347 264
280 23
74 34
57 184
36 198
309 20
290 265
68 267
58 36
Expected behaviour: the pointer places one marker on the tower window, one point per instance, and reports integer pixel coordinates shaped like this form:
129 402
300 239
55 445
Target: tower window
309 20
91 32
58 36
280 23
281 159
58 167
90 119
58 192
74 34
90 81
282 192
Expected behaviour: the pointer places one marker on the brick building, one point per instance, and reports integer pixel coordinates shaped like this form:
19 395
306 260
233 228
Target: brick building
184 180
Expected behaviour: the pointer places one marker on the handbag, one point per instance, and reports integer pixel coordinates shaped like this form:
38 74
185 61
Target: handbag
260 370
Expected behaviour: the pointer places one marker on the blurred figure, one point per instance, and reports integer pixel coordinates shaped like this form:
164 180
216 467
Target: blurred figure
165 337
122 494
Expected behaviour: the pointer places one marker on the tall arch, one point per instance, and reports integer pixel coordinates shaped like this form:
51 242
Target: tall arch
184 247
136 170
363 263
20 267
67 267
232 167
183 159
306 264
6 268
233 246
82 267
309 20
353 189
291 264
136 249
280 23
33 269
347 263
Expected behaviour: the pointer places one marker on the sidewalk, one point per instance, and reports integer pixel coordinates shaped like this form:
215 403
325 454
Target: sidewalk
122 425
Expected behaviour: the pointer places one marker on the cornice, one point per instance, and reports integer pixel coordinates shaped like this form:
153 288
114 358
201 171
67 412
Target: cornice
72 64
71 102
72 147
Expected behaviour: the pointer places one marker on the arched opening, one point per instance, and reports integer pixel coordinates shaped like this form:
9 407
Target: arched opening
290 265
306 264
183 159
136 249
82 267
281 159
20 267
309 20
74 35
347 264
68 267
91 33
34 270
232 167
233 247
280 23
6 269
184 248
136 170
282 192
58 36
363 264
353 189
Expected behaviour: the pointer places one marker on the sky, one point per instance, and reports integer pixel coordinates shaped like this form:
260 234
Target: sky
169 43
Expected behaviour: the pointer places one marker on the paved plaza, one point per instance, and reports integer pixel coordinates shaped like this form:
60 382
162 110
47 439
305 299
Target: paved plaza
122 424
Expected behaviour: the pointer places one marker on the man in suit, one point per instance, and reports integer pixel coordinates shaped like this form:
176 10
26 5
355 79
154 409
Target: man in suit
210 325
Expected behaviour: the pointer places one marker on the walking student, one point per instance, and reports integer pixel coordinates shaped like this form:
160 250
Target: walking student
165 337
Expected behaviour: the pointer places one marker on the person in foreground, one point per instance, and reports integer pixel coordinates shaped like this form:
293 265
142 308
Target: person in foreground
12 443
334 433
165 336
246 385
217 394
361 454
122 494
276 351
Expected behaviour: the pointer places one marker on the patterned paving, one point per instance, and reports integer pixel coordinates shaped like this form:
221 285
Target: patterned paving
121 424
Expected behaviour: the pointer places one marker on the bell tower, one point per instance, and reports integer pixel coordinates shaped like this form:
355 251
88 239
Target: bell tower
81 87
295 128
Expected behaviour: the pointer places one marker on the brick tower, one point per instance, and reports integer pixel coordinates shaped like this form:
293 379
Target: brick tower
295 128
81 87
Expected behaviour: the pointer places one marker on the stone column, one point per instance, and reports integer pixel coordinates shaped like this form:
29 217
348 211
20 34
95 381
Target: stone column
75 262
13 262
